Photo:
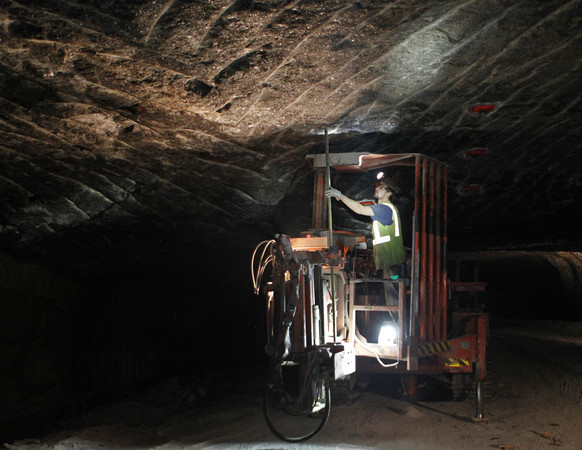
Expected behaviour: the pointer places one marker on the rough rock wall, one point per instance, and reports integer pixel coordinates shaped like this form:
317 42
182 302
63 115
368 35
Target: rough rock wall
66 347
569 266
39 338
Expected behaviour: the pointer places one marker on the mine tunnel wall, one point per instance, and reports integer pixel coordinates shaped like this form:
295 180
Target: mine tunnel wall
530 284
39 330
66 347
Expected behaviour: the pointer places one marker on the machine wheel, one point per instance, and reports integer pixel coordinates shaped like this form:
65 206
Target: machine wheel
297 418
342 391
463 385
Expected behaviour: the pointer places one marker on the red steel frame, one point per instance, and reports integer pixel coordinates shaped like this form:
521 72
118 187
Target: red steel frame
429 286
429 277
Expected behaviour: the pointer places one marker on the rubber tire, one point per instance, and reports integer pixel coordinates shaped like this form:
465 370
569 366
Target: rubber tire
324 419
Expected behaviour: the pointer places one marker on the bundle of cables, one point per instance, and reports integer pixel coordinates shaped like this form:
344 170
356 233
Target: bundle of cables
264 260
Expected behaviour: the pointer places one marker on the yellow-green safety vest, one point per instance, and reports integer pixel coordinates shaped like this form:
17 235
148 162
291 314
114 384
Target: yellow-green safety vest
387 241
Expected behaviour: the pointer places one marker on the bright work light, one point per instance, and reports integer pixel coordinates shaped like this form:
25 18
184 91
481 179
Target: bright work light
388 333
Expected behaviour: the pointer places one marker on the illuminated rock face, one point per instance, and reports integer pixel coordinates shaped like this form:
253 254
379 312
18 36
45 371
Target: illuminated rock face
162 125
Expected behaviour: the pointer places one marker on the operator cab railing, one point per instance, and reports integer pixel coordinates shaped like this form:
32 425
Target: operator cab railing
426 303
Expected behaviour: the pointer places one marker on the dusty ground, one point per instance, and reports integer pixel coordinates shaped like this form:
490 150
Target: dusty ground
536 402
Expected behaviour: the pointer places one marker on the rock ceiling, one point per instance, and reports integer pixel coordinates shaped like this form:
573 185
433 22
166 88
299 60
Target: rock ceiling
139 129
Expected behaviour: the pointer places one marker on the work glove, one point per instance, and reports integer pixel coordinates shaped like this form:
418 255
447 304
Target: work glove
331 192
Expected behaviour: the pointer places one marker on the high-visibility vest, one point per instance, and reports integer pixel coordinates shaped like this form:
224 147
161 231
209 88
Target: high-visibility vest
387 241
380 238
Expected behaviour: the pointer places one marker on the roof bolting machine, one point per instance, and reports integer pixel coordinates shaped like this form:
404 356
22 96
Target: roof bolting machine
330 317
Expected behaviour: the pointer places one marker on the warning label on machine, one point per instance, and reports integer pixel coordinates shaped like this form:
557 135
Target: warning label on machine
432 348
456 362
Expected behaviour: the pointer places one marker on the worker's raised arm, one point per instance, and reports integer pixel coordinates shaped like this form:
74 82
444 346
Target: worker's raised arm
354 205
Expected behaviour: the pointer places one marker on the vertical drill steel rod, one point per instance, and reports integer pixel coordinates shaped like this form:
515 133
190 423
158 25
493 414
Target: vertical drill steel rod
330 236
327 187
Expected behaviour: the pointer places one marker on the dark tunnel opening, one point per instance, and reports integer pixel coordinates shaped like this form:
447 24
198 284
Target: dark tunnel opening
68 347
531 285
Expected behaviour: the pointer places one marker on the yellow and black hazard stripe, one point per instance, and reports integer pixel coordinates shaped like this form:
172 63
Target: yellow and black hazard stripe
432 348
457 362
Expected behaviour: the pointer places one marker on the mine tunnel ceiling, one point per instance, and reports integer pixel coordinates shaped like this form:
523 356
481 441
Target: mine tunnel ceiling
157 125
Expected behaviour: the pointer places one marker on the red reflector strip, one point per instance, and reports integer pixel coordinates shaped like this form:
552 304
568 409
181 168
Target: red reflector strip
476 152
479 109
473 188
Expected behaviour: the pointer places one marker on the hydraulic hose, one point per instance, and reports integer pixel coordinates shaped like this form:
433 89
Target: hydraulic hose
263 263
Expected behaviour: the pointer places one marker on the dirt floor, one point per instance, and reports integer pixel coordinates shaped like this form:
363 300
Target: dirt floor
534 401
